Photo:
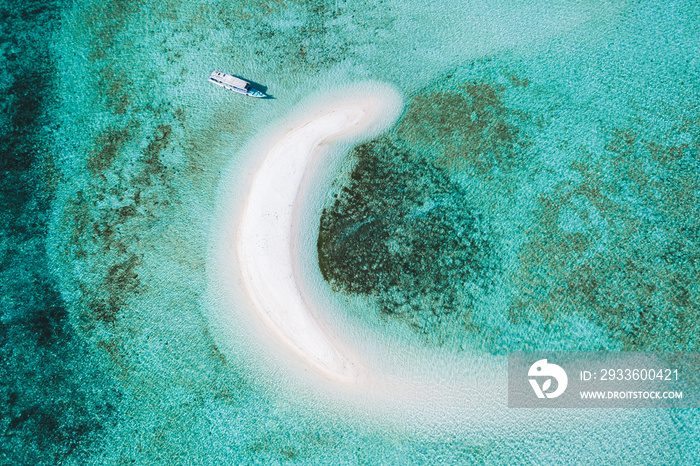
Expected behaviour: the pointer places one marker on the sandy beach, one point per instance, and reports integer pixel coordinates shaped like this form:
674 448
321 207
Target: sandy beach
265 235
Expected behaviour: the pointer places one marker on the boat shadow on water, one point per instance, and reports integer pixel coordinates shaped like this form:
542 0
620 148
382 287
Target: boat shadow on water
259 87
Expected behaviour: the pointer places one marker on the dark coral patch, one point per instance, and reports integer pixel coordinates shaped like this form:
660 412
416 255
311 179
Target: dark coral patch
468 127
403 230
107 146
55 401
403 233
633 265
158 143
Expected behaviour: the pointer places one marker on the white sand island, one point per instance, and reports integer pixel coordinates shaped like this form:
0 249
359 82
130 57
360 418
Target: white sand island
265 237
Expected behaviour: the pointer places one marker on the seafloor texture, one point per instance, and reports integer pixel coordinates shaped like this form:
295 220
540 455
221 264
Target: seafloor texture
539 191
484 213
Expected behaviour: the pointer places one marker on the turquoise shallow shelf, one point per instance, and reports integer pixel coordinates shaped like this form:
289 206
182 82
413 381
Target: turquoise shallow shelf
538 191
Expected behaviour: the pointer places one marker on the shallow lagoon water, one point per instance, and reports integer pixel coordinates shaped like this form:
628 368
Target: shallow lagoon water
583 193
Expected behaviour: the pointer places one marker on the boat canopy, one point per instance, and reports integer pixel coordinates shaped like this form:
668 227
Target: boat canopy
230 80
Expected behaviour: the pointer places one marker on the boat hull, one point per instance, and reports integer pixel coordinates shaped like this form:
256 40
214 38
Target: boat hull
250 92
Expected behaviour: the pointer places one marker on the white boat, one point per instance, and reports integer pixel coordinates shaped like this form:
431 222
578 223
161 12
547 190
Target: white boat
234 84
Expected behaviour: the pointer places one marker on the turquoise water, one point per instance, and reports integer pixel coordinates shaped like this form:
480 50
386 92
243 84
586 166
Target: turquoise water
539 191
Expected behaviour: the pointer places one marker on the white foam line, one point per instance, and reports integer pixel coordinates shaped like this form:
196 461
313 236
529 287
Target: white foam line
266 232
